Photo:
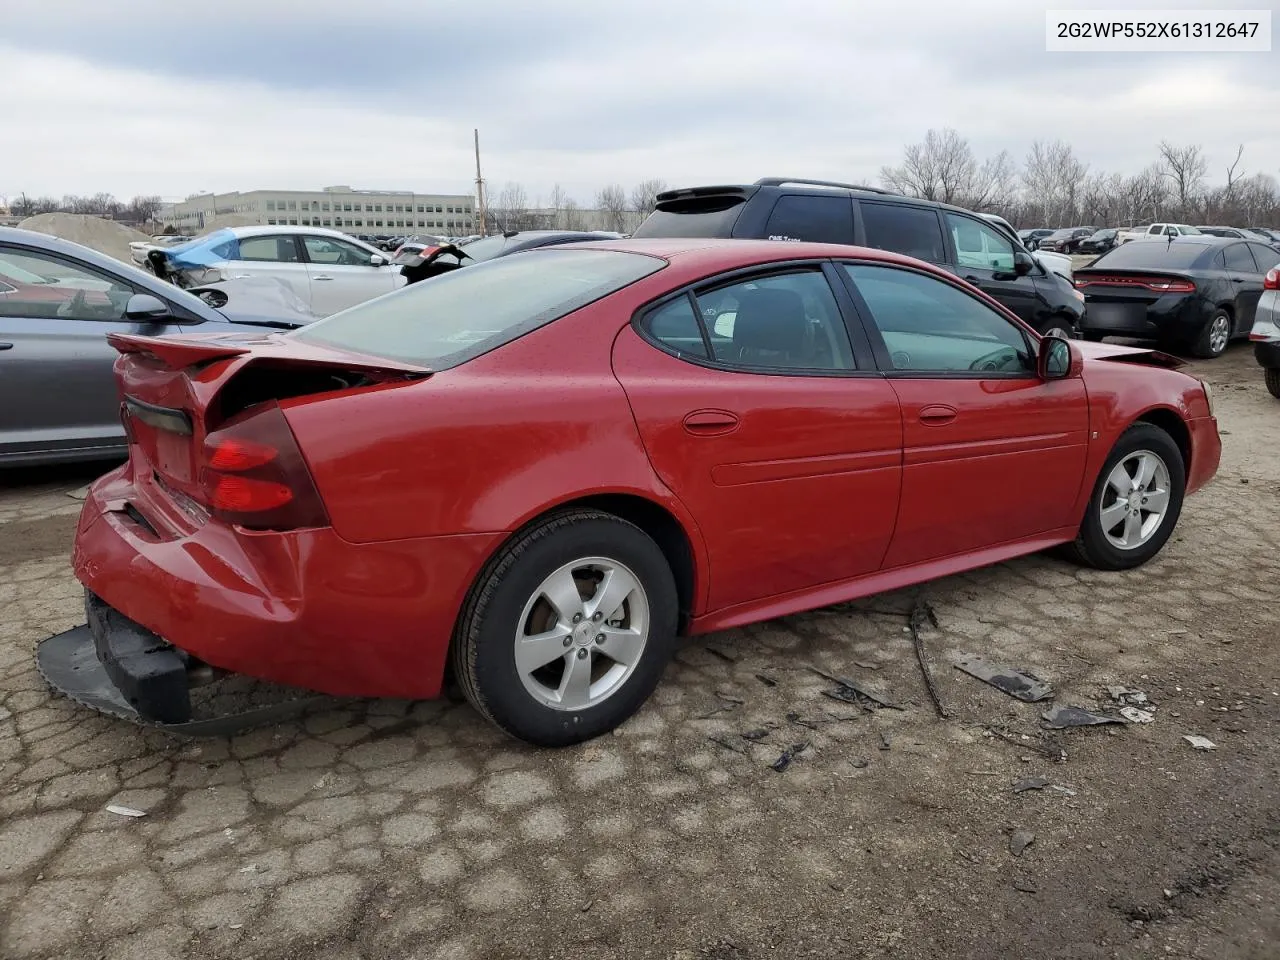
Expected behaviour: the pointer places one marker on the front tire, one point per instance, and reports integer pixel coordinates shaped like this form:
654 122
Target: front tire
1136 501
1273 381
568 629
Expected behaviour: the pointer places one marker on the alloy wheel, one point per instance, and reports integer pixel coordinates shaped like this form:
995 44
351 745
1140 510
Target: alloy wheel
1135 501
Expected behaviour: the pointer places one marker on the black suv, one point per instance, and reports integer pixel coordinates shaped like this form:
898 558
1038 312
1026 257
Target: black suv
778 208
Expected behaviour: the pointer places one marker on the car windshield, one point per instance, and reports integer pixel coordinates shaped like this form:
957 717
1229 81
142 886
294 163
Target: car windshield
1062 234
1104 234
456 316
1153 254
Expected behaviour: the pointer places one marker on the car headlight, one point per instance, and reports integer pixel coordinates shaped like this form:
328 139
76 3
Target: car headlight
1208 395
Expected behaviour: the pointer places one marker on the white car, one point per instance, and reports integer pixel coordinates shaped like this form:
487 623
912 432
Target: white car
1156 231
1052 262
328 270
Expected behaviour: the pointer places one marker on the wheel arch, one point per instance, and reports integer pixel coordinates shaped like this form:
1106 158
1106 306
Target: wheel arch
1171 422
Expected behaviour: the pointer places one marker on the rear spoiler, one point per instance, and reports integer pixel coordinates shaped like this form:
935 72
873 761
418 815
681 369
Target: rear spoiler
175 354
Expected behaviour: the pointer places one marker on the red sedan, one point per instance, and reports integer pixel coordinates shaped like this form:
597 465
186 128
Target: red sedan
538 471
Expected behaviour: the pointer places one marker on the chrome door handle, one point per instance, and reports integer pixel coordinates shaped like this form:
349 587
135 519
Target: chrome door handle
6 346
322 278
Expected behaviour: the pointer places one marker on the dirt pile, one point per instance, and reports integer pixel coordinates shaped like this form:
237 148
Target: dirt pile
228 220
105 236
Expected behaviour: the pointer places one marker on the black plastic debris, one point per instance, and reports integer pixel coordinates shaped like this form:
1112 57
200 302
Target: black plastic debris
755 735
1019 840
850 691
767 681
1020 684
789 754
727 658
922 614
1059 718
1031 783
729 745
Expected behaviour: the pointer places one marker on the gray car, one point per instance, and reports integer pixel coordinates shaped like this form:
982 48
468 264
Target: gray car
58 302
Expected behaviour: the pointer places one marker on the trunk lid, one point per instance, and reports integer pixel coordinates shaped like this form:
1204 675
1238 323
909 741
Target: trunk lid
1132 286
176 390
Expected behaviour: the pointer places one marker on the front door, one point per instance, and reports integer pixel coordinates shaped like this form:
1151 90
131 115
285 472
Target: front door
783 443
984 258
991 453
57 388
342 275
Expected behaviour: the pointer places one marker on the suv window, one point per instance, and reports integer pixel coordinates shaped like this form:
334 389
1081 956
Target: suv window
1266 257
784 321
1240 259
978 245
815 219
929 326
35 285
271 248
905 229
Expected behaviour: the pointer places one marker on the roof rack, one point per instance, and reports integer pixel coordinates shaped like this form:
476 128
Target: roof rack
780 181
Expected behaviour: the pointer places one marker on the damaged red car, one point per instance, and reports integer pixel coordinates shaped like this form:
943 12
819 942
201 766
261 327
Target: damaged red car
538 472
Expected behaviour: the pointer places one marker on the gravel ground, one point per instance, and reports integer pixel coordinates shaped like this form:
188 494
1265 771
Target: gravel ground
413 830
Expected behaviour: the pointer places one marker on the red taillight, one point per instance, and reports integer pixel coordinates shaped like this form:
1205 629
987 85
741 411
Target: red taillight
1157 284
1272 280
254 474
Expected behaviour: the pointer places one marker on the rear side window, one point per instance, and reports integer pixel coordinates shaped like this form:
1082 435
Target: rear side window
676 325
1240 259
276 249
813 219
913 231
464 313
699 217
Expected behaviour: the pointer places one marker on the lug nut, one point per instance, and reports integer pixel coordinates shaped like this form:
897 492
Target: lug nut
597 616
577 618
568 641
599 638
582 653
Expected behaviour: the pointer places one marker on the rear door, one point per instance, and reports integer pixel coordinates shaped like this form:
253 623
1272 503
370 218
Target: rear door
1246 281
57 391
274 255
991 453
343 275
779 437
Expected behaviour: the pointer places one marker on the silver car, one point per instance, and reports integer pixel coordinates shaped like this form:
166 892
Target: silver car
1266 329
58 302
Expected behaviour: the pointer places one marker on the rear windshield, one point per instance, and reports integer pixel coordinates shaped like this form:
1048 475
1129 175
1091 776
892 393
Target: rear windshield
451 318
1153 254
702 217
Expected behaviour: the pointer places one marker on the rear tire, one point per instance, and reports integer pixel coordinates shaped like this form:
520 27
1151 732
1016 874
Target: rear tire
510 623
1273 381
1109 519
1215 336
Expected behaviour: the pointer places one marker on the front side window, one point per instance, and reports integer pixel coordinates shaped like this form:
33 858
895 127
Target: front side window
464 313
785 321
814 219
1265 256
33 284
977 245
930 326
912 231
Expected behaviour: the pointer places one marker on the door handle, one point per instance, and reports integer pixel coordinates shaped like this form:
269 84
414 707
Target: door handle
322 278
6 346
706 423
937 414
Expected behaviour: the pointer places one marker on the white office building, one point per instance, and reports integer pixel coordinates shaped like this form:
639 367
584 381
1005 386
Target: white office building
379 213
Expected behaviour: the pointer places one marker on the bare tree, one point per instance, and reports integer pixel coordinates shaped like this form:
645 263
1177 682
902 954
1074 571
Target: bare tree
612 201
1053 176
572 215
644 197
1185 168
142 209
510 210
942 167
556 203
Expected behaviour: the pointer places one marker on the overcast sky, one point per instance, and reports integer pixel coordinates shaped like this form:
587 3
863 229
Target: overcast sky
175 98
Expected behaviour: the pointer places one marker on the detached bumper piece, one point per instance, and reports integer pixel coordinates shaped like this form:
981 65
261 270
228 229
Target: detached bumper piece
118 667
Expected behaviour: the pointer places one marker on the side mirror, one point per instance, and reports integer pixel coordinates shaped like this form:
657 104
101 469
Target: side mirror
1022 263
1053 362
378 260
145 308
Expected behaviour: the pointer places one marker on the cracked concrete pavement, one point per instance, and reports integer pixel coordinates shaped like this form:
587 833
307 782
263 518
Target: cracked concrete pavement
393 829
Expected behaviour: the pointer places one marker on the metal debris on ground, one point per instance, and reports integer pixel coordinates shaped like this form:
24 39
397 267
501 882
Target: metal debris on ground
845 687
789 754
767 681
1059 718
124 811
1041 783
884 740
1019 840
1134 715
727 703
1133 698
923 613
1025 686
1199 743
866 666
1046 748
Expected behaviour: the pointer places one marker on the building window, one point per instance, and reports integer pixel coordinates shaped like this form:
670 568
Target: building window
315 204
271 221
327 222
346 208
378 223
324 205
420 208
271 204
293 206
293 222
377 208
439 209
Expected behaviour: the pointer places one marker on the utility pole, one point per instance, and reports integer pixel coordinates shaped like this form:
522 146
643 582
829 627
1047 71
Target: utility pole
480 205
